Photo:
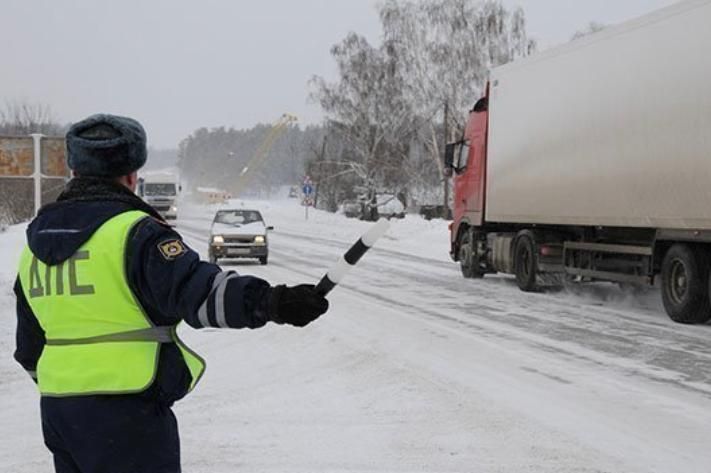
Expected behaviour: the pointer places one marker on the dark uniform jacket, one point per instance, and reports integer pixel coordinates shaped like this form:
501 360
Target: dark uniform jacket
169 289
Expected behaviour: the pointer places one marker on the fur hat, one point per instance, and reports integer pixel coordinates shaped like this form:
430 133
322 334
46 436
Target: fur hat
106 146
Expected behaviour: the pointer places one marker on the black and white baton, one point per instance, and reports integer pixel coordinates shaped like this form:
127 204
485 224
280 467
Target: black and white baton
351 257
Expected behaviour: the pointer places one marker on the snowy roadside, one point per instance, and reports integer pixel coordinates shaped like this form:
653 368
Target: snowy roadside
415 369
22 449
25 453
412 235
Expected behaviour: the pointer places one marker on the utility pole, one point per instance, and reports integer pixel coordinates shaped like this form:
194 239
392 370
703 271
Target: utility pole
320 158
445 180
37 175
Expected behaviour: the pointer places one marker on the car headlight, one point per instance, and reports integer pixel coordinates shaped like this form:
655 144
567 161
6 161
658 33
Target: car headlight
259 240
218 239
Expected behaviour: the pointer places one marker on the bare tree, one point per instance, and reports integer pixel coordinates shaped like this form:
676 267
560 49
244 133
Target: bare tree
446 49
367 109
389 102
23 118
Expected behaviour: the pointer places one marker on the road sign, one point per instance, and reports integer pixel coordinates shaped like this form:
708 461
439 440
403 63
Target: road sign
308 189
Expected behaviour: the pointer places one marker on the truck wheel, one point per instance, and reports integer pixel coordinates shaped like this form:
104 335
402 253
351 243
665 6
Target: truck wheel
685 284
526 263
468 261
263 260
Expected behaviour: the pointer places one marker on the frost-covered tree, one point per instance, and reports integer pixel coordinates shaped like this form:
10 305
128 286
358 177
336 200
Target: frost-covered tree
445 49
389 100
367 109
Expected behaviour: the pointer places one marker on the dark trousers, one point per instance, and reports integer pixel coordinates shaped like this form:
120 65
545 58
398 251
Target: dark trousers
110 434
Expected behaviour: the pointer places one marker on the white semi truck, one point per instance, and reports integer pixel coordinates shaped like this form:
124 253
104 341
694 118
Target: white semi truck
160 191
592 162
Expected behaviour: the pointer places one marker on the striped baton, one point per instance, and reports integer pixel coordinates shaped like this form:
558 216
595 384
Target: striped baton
351 257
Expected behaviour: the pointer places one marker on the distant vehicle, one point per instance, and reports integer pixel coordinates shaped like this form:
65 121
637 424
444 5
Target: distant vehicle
293 192
352 209
160 191
430 212
212 195
389 206
239 233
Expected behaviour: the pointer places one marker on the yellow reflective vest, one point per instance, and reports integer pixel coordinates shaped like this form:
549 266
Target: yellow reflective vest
99 339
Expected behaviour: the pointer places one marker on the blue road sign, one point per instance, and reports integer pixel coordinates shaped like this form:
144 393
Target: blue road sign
308 189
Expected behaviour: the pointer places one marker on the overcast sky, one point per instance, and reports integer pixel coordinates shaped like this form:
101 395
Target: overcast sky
177 65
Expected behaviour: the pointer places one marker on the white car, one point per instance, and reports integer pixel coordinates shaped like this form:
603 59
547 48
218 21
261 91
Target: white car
239 233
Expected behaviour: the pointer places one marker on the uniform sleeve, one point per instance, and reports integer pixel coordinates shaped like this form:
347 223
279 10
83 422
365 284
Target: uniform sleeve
29 336
172 282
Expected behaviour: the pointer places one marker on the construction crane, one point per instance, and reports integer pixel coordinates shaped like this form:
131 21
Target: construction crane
277 129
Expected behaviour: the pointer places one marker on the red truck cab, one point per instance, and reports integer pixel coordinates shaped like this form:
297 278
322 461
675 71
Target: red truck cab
468 162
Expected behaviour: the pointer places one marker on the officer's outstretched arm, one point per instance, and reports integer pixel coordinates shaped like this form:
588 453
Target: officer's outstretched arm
172 284
168 277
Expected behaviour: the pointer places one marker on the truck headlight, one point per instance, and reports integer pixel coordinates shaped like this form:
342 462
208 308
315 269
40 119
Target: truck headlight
218 239
174 209
259 240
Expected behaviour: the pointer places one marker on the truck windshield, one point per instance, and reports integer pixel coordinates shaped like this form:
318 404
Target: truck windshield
159 189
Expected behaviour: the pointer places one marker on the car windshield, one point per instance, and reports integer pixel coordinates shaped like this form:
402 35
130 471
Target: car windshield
159 189
238 217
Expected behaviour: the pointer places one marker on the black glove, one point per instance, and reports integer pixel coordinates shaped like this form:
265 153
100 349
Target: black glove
297 305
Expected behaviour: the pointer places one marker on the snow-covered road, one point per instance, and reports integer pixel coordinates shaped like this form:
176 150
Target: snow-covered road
417 369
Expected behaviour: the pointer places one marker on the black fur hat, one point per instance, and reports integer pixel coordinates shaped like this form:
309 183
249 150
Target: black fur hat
106 146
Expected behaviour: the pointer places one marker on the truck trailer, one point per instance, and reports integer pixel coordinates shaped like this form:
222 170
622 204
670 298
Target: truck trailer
592 162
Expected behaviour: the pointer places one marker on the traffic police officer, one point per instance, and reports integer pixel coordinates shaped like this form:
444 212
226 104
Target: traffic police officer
102 284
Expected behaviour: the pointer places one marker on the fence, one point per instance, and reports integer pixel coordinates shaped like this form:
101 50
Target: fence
22 189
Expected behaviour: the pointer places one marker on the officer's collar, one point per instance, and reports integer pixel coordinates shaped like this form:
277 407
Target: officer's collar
91 189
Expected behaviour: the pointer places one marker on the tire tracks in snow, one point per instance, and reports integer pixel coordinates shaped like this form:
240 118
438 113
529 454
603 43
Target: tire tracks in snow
498 333
664 356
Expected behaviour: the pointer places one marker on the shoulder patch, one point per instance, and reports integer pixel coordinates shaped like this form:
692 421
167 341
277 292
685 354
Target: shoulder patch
172 249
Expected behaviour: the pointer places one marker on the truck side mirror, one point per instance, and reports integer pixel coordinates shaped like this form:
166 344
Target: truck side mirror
449 155
270 227
462 156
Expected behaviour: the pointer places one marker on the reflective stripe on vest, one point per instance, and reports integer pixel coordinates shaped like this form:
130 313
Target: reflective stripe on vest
99 339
